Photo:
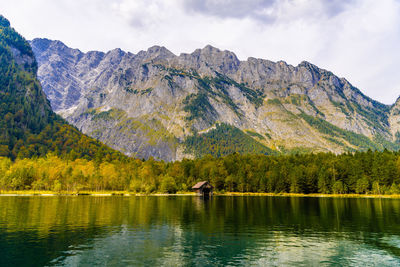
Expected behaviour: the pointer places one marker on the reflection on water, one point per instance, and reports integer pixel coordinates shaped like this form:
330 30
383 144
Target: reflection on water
175 231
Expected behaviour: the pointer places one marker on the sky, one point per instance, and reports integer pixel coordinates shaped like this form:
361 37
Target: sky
355 39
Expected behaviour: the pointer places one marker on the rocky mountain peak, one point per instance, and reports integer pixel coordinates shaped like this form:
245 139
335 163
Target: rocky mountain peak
43 44
160 50
114 56
310 73
208 50
155 54
116 51
307 65
225 62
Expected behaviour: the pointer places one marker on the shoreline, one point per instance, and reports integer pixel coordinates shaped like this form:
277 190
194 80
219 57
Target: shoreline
239 194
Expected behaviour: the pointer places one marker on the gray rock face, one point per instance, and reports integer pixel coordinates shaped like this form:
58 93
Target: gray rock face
146 104
394 120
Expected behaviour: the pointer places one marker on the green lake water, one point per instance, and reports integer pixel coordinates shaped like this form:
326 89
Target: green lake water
191 231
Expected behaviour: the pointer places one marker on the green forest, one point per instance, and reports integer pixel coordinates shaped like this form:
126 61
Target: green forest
224 140
360 172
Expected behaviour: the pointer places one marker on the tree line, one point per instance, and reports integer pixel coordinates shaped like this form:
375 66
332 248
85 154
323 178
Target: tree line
370 172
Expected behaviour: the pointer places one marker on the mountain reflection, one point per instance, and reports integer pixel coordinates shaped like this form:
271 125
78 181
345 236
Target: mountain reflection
186 230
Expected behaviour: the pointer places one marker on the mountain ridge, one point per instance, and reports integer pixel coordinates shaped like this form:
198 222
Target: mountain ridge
29 128
166 98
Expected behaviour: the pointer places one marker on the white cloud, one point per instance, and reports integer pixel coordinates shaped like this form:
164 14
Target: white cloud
357 39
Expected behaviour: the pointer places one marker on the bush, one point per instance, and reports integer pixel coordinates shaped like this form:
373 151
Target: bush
168 185
362 185
135 186
339 188
394 189
376 188
57 186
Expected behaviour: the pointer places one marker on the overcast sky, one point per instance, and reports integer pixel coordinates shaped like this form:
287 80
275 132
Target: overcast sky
358 40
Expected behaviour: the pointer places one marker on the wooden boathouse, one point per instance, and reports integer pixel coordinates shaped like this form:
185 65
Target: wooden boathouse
203 188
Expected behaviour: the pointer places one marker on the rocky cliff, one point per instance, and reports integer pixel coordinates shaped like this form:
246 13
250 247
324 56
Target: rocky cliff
394 121
157 104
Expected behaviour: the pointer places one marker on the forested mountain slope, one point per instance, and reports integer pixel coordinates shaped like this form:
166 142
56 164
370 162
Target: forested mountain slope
155 103
28 125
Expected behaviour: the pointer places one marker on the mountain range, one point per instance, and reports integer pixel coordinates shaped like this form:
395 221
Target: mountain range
157 104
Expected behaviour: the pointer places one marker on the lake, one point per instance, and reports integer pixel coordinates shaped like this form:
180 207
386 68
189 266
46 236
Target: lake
188 231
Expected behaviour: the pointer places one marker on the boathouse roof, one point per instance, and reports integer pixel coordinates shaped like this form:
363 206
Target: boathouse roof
201 184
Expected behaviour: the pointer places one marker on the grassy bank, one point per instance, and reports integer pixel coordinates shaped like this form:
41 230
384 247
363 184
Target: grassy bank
84 193
127 193
311 195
